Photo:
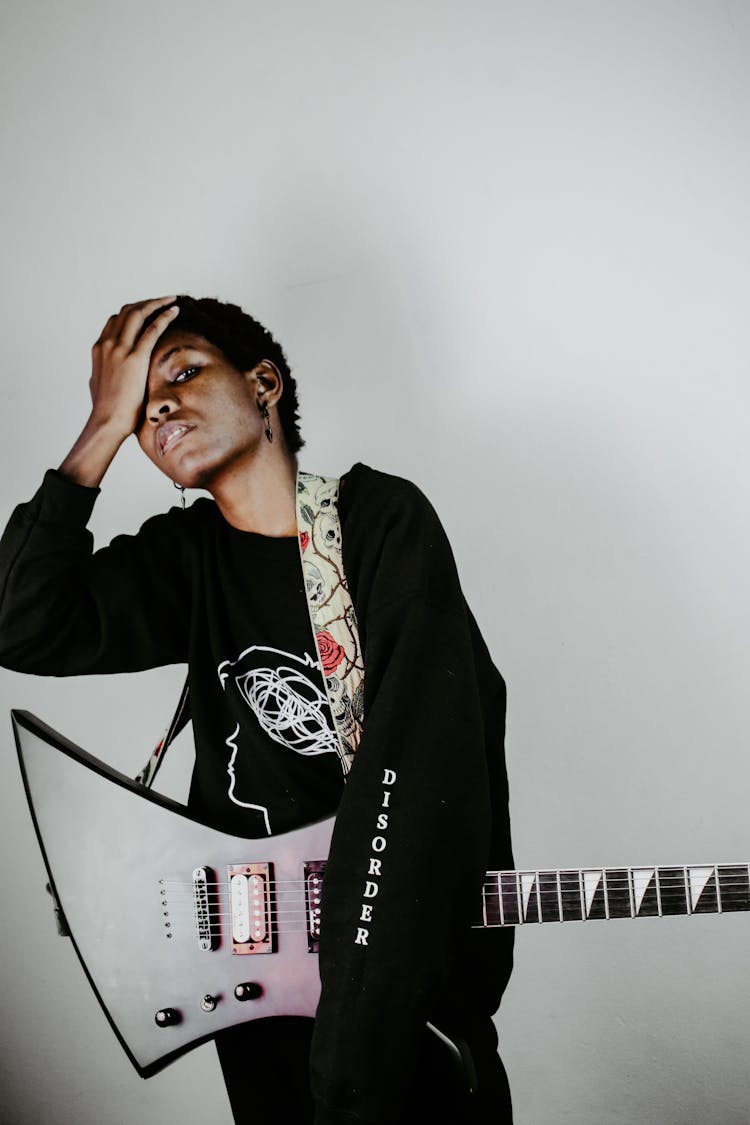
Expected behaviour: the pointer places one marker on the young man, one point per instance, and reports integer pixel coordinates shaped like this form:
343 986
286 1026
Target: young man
210 397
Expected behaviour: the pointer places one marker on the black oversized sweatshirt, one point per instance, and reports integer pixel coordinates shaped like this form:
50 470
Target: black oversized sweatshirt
405 870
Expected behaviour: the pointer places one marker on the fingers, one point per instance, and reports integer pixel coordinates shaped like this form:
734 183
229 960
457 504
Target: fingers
121 358
133 317
158 325
124 328
107 331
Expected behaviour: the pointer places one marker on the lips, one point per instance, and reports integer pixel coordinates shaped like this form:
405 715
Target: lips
169 433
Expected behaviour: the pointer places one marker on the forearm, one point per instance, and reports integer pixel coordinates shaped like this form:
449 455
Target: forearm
44 540
415 819
67 611
93 452
423 810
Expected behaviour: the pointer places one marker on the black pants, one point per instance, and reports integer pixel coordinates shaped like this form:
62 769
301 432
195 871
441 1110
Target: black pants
265 1067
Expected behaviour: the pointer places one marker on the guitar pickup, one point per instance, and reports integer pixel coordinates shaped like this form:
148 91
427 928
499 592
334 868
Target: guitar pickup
314 871
250 910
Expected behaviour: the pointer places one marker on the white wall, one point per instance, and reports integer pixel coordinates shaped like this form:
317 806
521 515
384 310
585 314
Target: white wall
506 247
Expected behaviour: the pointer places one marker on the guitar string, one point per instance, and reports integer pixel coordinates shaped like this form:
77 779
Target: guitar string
284 921
290 928
300 911
675 886
552 908
282 912
297 928
736 890
735 893
670 893
550 876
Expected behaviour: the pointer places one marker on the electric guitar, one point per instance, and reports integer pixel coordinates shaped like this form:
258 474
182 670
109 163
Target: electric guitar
183 931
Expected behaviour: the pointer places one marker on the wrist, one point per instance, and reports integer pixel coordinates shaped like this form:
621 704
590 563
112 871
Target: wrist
107 428
94 451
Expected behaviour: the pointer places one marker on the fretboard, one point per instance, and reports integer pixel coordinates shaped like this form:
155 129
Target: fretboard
512 898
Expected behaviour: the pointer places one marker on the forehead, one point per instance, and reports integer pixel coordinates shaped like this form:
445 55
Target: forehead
175 343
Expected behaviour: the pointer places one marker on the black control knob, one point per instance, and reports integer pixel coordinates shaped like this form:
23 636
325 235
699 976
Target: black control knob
167 1017
250 990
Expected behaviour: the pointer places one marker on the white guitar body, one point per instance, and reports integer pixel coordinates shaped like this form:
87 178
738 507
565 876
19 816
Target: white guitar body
121 862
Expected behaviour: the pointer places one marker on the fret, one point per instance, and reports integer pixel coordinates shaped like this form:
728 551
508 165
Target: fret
617 889
644 888
734 887
510 893
549 896
673 890
571 904
658 894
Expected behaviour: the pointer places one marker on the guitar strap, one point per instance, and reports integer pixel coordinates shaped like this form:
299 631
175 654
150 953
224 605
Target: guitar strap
332 618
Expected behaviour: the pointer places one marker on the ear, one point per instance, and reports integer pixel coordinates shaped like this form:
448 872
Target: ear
269 384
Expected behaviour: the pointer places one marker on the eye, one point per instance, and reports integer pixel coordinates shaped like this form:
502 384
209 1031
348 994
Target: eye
188 373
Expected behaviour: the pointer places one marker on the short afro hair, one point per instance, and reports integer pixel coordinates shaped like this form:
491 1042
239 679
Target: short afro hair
245 343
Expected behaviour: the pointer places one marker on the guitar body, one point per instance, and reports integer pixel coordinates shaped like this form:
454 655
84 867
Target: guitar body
153 910
184 931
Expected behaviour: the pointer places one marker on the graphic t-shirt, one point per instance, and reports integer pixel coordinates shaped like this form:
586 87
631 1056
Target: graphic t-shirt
266 750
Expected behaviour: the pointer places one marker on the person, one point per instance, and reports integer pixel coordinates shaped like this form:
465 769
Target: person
218 585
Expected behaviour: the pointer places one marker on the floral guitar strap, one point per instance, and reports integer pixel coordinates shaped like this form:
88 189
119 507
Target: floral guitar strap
334 623
332 617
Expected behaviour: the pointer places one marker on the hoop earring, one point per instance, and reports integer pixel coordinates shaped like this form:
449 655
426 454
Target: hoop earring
181 491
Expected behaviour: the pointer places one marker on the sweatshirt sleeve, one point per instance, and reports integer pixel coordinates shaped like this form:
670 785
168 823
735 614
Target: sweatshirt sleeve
68 610
414 828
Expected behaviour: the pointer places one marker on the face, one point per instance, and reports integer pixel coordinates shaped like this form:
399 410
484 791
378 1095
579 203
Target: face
201 418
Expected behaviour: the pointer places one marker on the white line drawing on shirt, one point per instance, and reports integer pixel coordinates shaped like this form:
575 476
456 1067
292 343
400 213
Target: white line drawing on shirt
232 744
288 705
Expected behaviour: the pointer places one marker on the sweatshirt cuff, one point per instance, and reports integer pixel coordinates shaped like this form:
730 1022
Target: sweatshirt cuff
64 501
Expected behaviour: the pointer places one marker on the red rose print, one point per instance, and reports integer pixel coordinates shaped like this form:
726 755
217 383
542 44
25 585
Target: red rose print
304 539
331 652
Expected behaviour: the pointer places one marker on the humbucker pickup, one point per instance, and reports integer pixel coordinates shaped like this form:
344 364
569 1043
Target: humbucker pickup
250 913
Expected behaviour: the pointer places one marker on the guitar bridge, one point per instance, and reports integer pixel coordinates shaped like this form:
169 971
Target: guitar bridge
314 871
250 911
204 883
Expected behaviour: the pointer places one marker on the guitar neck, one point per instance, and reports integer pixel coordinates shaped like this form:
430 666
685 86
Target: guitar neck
512 898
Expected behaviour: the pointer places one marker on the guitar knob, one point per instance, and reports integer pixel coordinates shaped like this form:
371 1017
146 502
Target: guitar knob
167 1017
250 990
